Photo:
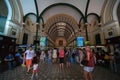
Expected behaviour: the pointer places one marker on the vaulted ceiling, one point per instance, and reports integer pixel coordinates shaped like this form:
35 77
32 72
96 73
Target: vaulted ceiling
61 18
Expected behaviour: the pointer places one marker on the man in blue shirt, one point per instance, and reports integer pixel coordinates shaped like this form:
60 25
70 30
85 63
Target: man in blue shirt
10 61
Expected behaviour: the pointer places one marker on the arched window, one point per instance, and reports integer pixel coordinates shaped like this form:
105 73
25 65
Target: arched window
25 38
3 15
97 39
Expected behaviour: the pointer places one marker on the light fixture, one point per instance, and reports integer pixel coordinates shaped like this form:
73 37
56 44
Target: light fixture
60 24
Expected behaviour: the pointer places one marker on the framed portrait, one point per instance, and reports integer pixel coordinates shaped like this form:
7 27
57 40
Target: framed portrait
60 42
111 33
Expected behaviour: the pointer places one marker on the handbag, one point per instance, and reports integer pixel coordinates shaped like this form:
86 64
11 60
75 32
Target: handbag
84 62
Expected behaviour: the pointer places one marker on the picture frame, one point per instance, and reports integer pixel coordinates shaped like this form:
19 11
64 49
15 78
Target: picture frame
13 32
111 33
60 42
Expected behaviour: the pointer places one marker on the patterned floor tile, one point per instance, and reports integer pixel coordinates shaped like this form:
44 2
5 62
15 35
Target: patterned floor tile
53 72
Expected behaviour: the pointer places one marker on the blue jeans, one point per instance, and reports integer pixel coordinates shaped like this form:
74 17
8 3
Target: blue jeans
9 65
113 66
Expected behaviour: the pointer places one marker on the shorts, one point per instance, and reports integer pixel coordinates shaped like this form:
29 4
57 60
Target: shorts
35 70
88 69
61 60
28 62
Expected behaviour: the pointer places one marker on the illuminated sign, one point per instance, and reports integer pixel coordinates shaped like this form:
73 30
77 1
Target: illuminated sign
80 41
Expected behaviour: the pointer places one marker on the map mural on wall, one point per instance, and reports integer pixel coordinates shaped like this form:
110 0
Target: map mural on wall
2 23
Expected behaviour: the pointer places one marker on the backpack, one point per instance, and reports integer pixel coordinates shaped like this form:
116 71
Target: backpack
86 62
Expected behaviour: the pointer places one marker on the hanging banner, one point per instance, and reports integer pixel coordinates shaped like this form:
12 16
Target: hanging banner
43 41
80 41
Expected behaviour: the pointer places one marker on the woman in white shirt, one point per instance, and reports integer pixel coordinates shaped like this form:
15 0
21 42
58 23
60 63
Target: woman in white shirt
42 57
54 55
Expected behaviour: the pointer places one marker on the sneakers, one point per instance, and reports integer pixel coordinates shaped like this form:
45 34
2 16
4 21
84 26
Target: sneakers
34 76
81 65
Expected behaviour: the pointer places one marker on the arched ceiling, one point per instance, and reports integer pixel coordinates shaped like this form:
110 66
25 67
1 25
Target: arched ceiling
62 17
61 25
61 8
95 6
47 8
3 8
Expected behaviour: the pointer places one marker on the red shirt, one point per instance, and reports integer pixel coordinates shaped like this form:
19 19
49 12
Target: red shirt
91 60
61 53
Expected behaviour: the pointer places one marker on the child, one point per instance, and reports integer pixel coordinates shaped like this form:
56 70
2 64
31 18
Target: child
35 68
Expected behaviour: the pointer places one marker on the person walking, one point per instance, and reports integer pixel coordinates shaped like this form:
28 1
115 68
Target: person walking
28 56
88 69
42 57
35 68
54 56
61 58
67 58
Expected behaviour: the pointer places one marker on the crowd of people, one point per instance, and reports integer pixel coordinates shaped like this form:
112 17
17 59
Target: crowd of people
85 57
62 56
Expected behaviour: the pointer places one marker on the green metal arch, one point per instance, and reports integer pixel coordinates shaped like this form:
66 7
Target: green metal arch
38 19
98 17
37 12
56 4
80 21
85 16
24 18
36 6
86 10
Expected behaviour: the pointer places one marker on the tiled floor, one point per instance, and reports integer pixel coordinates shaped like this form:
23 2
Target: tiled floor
53 72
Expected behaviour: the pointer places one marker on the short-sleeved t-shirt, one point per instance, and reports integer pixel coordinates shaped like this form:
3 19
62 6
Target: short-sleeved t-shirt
9 57
29 54
61 53
54 53
35 66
